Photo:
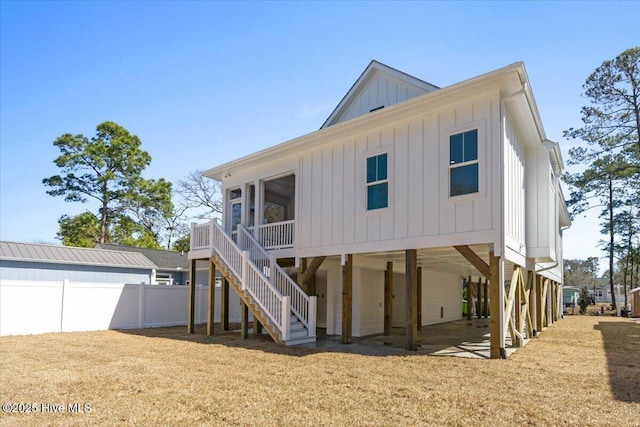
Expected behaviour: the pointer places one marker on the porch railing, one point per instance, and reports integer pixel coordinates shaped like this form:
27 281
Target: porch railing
201 235
277 235
302 305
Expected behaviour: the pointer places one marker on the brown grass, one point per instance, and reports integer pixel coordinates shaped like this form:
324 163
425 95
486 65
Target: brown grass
582 371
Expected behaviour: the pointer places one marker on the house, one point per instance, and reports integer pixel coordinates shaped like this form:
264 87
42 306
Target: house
106 263
635 302
172 268
52 288
570 297
405 190
43 262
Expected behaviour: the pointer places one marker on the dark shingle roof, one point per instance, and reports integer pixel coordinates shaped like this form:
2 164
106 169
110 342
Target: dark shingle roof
66 254
166 260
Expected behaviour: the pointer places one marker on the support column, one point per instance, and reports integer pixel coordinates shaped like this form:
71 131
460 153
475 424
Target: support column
550 303
518 308
244 321
301 269
388 299
479 313
485 305
411 259
533 303
539 304
496 324
419 298
224 305
469 299
192 296
347 295
257 326
211 297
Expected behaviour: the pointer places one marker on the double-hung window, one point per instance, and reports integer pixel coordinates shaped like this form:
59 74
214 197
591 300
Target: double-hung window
463 163
377 182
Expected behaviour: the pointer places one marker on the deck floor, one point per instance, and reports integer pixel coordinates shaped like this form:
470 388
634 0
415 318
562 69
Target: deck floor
459 338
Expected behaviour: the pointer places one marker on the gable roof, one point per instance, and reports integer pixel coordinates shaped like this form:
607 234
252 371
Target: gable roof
163 259
357 87
16 251
512 76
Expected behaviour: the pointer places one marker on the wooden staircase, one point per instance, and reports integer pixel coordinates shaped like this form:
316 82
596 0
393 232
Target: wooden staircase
286 313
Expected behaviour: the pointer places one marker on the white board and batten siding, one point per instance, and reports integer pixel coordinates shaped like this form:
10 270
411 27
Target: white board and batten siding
514 194
441 299
381 90
541 206
332 204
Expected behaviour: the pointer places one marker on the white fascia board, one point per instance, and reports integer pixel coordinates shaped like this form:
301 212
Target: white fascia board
378 118
364 78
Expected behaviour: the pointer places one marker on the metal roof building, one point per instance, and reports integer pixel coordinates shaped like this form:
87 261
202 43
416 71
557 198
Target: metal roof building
44 262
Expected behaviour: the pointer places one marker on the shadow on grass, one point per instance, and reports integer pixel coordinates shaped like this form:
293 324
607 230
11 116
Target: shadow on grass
457 338
622 347
231 338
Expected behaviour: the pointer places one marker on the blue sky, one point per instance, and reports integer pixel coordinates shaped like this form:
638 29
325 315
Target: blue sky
202 83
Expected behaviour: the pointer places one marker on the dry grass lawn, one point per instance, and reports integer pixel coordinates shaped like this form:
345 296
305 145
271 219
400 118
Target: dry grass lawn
583 371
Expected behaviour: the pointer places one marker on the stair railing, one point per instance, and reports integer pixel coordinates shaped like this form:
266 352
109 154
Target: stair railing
252 279
302 305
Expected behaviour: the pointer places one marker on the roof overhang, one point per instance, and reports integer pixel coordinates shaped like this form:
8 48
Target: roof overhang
506 79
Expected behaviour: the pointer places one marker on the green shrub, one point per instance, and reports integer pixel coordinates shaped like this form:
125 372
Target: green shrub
583 300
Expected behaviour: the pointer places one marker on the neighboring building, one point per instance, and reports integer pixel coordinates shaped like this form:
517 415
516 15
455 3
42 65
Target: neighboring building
106 263
570 295
42 262
635 302
172 268
405 190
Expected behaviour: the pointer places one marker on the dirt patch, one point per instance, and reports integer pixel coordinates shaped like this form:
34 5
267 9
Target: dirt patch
583 371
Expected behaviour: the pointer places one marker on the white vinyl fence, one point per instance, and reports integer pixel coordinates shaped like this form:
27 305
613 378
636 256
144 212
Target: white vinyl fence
28 307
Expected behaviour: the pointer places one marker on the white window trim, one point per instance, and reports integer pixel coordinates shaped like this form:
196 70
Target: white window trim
480 126
388 150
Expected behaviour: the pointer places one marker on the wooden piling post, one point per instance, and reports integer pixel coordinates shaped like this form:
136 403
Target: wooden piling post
224 305
495 323
192 297
388 299
419 298
347 295
211 297
411 261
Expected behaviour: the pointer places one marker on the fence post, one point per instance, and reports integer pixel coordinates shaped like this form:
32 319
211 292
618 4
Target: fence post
192 234
65 283
141 296
313 304
245 269
286 314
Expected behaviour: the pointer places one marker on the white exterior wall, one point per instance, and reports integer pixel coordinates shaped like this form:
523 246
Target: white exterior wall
332 216
514 190
540 209
381 90
441 290
369 316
